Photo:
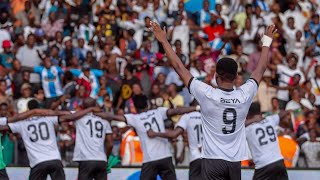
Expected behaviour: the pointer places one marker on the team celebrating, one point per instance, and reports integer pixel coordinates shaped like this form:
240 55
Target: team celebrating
218 129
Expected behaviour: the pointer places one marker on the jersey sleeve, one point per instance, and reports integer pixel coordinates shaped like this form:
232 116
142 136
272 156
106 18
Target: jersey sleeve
15 127
37 69
182 123
53 119
275 119
97 72
163 112
130 119
280 68
3 121
75 72
198 89
60 71
250 89
108 128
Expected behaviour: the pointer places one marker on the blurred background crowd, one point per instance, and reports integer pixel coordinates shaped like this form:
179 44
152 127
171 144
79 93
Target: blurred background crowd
61 51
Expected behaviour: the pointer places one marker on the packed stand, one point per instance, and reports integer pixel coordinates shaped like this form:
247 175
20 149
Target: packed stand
60 52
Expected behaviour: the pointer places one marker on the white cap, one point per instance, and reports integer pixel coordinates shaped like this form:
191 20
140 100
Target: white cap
67 38
121 125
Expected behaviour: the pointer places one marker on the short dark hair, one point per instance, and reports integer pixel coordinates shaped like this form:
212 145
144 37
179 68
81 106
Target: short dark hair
254 109
140 101
4 104
33 104
89 102
130 68
227 68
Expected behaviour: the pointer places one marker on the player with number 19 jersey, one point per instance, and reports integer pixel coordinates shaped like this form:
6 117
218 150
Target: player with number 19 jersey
153 148
91 131
191 123
224 113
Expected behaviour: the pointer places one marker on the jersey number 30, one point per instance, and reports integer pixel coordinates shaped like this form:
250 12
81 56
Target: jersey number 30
229 121
41 130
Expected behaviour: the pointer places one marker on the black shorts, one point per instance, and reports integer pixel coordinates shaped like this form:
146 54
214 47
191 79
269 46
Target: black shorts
219 169
273 171
54 168
195 170
3 174
162 167
92 170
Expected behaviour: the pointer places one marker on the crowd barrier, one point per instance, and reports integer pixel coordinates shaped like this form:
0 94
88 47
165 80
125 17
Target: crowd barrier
17 173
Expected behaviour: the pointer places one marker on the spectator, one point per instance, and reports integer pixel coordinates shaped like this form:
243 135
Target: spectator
311 150
86 30
28 52
52 25
89 78
69 51
50 80
6 56
286 77
22 103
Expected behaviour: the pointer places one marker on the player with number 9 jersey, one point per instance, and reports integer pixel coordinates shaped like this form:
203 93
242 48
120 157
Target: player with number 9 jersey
224 112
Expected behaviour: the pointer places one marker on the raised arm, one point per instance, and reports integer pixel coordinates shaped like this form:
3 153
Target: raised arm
264 60
168 134
175 61
111 117
182 110
77 115
31 113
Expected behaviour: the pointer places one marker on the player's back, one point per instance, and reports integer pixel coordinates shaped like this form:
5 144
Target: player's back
91 131
39 137
191 122
263 141
153 148
224 113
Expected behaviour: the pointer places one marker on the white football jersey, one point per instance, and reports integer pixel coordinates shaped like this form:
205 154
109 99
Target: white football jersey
91 131
39 137
3 121
223 117
153 148
191 123
263 141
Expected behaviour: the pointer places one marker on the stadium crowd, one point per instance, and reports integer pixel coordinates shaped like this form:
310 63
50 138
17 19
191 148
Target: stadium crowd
60 52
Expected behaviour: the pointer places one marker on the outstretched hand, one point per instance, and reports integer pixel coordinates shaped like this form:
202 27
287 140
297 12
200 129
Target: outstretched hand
151 133
159 33
271 31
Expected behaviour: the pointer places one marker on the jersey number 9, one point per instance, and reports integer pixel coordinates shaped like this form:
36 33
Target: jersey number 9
229 121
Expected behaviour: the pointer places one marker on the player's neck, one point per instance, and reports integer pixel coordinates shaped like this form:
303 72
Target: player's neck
226 86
